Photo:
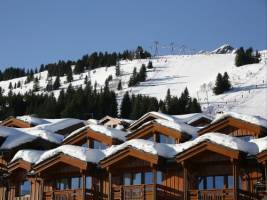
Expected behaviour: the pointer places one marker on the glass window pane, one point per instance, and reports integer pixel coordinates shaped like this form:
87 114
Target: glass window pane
99 145
137 179
88 183
230 182
25 188
209 182
219 182
148 178
159 177
85 145
127 179
165 139
75 183
200 183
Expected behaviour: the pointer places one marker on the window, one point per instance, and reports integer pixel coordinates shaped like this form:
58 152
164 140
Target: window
159 177
99 145
127 179
76 183
25 188
166 139
230 181
201 183
88 182
148 178
137 180
62 184
219 182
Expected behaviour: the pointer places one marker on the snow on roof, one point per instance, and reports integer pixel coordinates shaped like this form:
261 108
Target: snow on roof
261 143
27 155
17 136
60 124
171 150
81 153
179 126
147 146
257 120
110 132
220 139
192 117
32 120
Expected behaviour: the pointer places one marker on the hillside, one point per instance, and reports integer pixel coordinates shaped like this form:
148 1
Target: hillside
197 72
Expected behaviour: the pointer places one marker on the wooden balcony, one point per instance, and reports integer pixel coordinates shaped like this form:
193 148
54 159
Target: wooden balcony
220 194
26 197
144 192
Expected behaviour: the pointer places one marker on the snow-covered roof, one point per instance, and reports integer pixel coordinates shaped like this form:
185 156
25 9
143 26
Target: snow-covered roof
231 142
27 155
179 126
171 150
60 124
32 120
251 147
256 120
186 118
81 153
147 146
175 125
192 117
18 136
110 132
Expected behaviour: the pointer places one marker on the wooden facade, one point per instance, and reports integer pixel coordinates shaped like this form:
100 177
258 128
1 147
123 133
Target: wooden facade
204 171
235 127
15 123
154 130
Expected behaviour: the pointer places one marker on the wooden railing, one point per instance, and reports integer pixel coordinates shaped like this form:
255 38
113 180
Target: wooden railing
213 194
64 195
26 197
133 192
245 195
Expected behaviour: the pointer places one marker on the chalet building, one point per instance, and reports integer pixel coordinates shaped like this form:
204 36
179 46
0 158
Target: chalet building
159 157
195 119
115 122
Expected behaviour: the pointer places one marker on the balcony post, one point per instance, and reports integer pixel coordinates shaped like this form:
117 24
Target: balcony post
83 185
236 179
265 171
110 185
154 172
185 181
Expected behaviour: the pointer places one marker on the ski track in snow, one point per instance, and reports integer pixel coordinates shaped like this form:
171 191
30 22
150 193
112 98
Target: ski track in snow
197 72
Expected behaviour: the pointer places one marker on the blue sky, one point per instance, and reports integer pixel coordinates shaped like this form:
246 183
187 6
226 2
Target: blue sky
35 32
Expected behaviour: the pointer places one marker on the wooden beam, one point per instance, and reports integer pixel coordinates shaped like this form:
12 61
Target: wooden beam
265 171
84 185
236 179
109 186
185 181
154 172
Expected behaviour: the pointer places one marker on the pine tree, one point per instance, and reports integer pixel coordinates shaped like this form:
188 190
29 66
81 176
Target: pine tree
195 106
10 86
56 84
69 76
36 87
86 80
49 86
226 82
133 79
142 74
118 70
219 88
240 57
150 65
126 106
119 86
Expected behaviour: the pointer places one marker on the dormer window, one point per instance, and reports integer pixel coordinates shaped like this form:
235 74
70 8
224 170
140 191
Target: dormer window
99 145
165 139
